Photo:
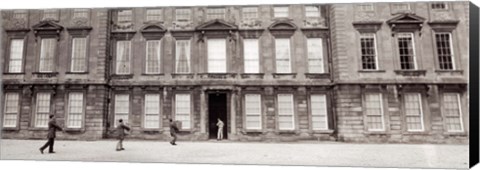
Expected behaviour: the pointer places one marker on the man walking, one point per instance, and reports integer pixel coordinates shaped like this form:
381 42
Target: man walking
220 125
121 134
173 132
52 130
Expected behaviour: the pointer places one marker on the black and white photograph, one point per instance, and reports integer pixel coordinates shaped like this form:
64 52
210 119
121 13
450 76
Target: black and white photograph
374 84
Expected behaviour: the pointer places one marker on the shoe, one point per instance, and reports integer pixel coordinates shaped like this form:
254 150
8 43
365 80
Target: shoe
122 148
51 152
41 150
171 143
174 144
118 149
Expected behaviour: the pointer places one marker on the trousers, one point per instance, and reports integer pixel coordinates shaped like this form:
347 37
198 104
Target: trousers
49 144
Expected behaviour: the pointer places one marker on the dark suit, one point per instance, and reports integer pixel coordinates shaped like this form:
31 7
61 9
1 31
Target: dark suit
121 134
52 130
173 132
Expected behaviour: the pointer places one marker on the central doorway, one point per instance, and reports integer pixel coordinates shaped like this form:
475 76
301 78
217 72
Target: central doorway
217 108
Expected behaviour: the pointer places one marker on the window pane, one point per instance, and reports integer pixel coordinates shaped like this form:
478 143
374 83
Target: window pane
249 13
47 54
413 112
182 110
217 56
16 56
122 107
124 16
318 105
152 111
11 110
251 56
42 110
123 57
444 51
80 13
315 55
153 61
253 111
407 51
452 112
312 11
280 12
79 55
282 54
182 14
215 13
20 14
75 110
369 54
182 53
374 111
439 5
285 112
154 14
50 14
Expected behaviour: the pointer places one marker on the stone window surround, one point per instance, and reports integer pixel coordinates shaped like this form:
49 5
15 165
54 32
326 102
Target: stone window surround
75 89
79 33
460 90
160 114
262 111
330 116
119 91
19 102
369 27
380 89
11 36
446 27
192 109
295 122
423 91
33 118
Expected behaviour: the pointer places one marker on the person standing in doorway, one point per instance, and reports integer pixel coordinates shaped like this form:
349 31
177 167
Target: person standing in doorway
220 125
52 130
173 132
121 134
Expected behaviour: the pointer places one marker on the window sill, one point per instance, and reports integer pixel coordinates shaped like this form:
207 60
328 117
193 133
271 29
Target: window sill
284 75
411 72
69 72
10 73
252 75
183 75
10 128
151 131
122 76
287 132
217 75
251 131
317 75
455 133
371 71
415 133
450 72
45 74
153 74
327 131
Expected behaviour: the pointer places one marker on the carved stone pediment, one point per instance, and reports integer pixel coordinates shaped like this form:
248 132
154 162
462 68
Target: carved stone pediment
153 31
216 25
315 32
282 28
406 22
47 28
445 25
367 26
79 31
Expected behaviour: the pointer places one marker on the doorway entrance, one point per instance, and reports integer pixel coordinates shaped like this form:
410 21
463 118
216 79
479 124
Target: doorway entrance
217 108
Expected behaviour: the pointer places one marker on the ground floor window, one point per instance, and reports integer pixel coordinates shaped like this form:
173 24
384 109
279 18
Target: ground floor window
122 108
183 110
374 112
42 109
452 112
152 111
75 110
413 111
318 104
253 111
285 112
11 110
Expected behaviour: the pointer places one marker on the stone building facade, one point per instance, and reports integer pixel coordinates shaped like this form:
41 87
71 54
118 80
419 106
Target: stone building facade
379 72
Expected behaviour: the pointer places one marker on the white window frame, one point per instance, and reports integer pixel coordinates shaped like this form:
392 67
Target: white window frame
186 16
188 115
154 14
20 14
216 13
257 115
460 116
7 112
217 55
156 113
249 13
319 56
80 58
44 115
421 113
366 7
314 113
374 36
125 16
412 36
128 59
50 14
69 110
276 12
278 53
158 57
118 113
80 13
308 13
16 55
452 55
43 67
280 113
432 4
187 55
382 111
251 54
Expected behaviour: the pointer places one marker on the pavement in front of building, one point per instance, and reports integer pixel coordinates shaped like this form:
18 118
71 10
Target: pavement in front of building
226 152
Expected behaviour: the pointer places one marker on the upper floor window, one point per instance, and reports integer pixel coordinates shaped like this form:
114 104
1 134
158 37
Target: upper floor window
445 51
452 112
122 108
75 110
401 6
124 16
251 56
439 5
154 14
406 50
20 14
182 14
182 56
79 55
50 14
47 54
215 13
282 55
365 7
318 103
123 57
42 110
369 51
312 11
153 60
315 55
11 110
16 56
217 56
413 112
280 11
249 13
374 112
80 13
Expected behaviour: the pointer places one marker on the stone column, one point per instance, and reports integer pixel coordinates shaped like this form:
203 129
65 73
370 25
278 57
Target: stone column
203 106
233 99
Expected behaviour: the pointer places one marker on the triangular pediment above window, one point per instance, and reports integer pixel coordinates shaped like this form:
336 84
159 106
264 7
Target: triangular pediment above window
47 26
153 31
406 19
216 25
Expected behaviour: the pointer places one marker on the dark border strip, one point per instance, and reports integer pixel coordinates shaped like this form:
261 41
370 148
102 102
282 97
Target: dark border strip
474 69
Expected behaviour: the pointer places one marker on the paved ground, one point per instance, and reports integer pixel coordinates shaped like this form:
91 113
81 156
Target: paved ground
224 152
